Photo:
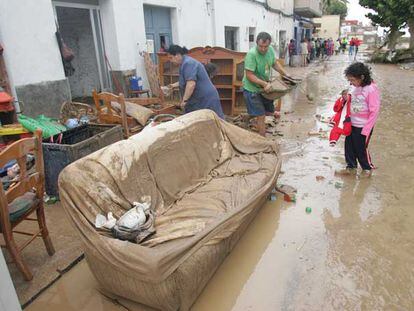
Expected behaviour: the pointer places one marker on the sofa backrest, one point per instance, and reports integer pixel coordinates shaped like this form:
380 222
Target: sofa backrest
163 162
182 154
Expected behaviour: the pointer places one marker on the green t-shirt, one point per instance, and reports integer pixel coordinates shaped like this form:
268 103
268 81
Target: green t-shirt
261 65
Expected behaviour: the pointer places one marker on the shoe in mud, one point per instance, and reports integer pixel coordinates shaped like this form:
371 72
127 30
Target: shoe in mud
346 171
365 174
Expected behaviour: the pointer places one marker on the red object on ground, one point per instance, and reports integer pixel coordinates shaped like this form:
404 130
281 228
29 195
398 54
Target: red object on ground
342 120
6 102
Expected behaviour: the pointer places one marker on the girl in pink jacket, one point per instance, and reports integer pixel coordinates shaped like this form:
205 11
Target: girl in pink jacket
365 108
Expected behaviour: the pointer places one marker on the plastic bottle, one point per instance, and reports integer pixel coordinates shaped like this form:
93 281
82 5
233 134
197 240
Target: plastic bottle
140 83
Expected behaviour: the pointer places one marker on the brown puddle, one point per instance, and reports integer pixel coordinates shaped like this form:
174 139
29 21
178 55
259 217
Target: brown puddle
354 251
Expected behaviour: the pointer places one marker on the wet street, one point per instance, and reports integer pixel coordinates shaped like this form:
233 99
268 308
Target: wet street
354 251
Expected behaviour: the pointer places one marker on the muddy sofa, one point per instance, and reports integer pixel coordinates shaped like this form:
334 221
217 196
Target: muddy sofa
207 179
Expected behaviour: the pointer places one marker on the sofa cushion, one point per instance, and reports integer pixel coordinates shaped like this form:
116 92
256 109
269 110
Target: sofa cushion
231 185
21 205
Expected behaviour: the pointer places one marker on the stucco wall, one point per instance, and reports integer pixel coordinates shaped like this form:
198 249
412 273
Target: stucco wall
330 26
249 15
28 34
36 58
32 55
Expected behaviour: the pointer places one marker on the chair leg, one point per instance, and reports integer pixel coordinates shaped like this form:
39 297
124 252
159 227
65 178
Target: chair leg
17 258
45 233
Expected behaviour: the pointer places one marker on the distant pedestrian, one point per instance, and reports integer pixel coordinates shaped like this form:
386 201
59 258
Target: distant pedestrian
308 42
292 51
318 47
304 52
351 47
337 46
344 43
331 47
326 48
365 107
357 43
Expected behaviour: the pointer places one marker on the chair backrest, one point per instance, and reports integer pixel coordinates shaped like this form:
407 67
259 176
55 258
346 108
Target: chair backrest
153 78
107 113
26 181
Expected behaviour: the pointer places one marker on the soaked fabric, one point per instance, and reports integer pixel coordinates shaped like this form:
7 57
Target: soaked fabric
206 178
140 113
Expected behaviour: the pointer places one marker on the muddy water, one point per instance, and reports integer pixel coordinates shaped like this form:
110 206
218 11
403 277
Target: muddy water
355 250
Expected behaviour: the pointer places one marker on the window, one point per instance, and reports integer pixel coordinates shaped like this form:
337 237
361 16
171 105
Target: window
252 35
231 38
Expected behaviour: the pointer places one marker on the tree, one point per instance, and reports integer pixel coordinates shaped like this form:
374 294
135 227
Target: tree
336 7
394 14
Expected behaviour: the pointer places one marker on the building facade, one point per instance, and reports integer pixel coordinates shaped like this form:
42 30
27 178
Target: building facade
107 37
305 11
328 26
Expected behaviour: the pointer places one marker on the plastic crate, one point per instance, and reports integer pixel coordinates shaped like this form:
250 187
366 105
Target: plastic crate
75 144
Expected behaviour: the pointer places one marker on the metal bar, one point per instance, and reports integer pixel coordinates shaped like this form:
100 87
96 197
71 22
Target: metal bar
75 5
95 42
100 33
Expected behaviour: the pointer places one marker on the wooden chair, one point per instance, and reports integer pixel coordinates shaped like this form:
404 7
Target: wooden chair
19 201
107 114
155 82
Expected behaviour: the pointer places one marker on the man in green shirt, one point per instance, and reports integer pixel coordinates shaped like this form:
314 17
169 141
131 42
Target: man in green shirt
258 64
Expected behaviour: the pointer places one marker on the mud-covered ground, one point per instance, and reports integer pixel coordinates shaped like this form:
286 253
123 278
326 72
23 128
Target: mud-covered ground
354 251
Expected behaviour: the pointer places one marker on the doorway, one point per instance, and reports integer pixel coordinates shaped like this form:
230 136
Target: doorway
282 44
231 38
80 28
158 28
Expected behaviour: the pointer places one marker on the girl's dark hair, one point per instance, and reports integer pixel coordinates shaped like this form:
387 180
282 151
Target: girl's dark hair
358 70
176 49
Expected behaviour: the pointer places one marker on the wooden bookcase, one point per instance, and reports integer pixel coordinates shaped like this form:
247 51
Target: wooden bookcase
228 80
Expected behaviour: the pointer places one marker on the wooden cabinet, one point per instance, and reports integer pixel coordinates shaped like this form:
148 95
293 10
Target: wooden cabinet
228 79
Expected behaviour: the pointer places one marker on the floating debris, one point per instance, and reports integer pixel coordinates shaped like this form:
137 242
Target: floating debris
289 193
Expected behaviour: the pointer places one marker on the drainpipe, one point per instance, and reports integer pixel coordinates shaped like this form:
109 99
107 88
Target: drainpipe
211 11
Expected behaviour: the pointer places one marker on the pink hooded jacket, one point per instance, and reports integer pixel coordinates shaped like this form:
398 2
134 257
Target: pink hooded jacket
365 107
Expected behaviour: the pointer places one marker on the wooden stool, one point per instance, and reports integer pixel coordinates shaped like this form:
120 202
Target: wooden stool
138 93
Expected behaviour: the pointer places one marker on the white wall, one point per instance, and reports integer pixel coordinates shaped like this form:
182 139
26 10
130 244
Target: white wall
8 297
202 22
194 23
191 22
249 15
30 48
284 5
35 56
330 26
